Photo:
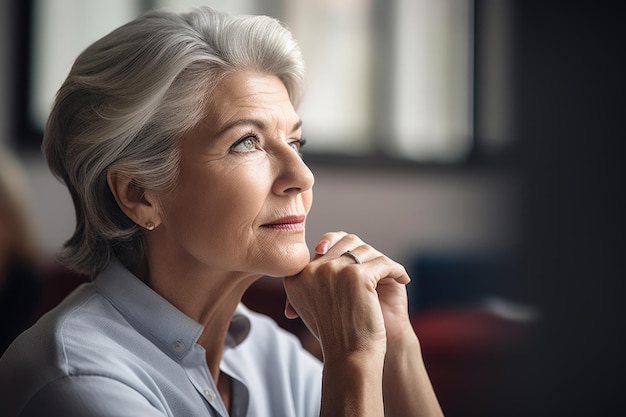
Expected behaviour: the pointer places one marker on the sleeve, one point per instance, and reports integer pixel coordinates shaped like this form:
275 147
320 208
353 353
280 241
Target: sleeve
93 396
311 390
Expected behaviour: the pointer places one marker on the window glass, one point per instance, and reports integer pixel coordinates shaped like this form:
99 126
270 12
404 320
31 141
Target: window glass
335 40
61 30
432 79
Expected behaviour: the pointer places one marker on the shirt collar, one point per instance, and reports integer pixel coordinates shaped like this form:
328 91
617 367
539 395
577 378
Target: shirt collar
155 317
239 328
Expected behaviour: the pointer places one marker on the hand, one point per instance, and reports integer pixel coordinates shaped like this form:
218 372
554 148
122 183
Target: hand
350 307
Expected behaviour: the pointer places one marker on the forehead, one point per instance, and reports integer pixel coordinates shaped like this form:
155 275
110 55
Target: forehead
249 93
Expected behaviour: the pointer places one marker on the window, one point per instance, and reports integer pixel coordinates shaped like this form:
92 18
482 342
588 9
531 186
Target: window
390 78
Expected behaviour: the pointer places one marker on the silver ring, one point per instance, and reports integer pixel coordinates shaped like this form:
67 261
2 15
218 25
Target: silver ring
352 255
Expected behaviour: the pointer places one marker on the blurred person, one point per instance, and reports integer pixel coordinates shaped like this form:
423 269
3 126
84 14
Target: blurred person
20 280
179 141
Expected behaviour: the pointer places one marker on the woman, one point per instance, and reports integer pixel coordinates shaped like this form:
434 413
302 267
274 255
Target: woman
178 140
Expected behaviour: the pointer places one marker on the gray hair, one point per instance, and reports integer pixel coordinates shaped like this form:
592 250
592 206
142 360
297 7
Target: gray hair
128 99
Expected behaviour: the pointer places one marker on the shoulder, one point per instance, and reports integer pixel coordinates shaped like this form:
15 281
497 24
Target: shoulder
86 395
43 343
58 346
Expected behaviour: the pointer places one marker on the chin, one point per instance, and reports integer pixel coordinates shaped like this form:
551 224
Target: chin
290 262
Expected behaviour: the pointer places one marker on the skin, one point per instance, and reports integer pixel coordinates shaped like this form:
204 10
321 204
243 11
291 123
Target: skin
238 214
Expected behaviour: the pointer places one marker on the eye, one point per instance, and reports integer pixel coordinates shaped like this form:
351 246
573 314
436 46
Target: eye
297 145
248 143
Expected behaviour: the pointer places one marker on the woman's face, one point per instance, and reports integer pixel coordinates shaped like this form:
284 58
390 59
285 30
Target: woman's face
243 190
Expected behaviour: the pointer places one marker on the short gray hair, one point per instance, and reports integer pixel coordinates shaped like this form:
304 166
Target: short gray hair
128 99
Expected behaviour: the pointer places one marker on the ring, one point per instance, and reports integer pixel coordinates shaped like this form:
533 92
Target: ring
352 255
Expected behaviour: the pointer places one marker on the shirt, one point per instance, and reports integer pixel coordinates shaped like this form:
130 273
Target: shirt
114 347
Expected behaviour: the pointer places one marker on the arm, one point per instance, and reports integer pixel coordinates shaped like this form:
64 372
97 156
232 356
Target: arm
339 304
352 309
353 387
406 386
88 396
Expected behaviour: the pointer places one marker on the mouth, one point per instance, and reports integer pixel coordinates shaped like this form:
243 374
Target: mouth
293 223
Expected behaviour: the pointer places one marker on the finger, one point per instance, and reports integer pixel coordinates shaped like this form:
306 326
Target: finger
353 256
381 269
348 241
361 254
290 312
369 259
327 241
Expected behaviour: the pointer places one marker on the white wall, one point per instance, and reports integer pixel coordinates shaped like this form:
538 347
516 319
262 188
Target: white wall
405 213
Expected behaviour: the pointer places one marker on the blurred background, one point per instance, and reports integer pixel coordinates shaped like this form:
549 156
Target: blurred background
475 141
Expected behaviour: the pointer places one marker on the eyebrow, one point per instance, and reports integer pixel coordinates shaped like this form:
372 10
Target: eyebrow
255 122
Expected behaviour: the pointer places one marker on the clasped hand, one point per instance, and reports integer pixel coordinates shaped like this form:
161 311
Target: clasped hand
350 307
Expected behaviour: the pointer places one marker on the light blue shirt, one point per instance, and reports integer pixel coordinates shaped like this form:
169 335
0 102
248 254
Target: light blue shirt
114 347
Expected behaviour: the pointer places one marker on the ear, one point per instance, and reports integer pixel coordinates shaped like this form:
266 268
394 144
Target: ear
139 205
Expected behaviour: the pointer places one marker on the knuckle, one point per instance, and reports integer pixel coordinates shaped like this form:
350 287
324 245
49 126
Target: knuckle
351 237
324 269
351 272
382 258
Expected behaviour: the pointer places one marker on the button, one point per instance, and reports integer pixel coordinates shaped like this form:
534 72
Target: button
178 346
209 395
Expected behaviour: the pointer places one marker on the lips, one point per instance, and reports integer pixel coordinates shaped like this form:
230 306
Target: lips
288 223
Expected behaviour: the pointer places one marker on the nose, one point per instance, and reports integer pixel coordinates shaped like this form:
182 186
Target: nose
293 175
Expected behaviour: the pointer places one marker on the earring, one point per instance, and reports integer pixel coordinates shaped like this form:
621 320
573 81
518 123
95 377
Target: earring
150 225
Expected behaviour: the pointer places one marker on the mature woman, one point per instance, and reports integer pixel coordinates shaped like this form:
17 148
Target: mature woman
178 140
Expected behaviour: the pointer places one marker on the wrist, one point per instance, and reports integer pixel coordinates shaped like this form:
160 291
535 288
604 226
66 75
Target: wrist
363 360
402 336
342 348
353 385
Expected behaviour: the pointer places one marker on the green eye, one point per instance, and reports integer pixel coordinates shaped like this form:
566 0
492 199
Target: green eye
247 143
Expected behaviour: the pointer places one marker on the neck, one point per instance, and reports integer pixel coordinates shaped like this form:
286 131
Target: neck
206 296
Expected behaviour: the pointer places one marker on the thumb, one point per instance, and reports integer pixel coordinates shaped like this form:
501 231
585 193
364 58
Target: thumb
290 312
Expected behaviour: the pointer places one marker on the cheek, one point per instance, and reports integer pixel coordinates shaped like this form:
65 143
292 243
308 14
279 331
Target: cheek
225 208
307 200
242 198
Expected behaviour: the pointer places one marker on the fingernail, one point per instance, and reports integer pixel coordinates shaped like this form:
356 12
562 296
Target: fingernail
322 247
